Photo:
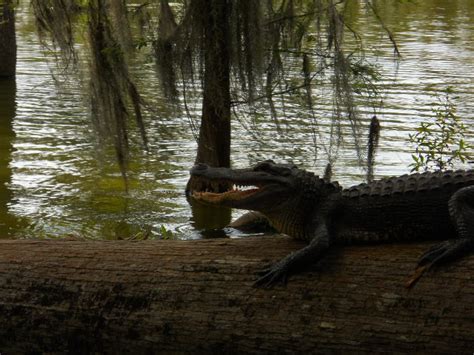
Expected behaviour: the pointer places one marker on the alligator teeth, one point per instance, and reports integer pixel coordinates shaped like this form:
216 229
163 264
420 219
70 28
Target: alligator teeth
243 187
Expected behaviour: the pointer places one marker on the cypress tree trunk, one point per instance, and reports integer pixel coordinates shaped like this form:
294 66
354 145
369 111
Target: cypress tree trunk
215 130
214 133
197 297
7 39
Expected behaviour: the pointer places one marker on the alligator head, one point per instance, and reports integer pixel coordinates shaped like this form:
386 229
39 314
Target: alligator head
285 194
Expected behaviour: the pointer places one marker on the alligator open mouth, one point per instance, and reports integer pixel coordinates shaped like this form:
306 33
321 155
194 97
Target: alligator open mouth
237 193
250 188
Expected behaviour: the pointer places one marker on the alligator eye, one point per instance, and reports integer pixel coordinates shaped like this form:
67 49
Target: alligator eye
264 166
284 171
269 167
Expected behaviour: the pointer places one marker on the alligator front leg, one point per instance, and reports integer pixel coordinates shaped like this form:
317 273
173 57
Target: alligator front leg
461 209
254 222
295 261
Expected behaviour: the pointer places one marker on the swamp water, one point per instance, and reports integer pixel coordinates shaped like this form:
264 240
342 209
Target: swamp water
55 182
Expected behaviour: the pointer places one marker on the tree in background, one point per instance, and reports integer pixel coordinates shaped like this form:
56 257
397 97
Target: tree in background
7 108
8 222
7 39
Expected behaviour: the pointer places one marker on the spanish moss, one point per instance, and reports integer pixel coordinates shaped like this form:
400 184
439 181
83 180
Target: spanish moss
54 19
114 96
111 87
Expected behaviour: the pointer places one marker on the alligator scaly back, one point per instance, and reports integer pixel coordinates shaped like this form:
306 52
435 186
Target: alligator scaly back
412 183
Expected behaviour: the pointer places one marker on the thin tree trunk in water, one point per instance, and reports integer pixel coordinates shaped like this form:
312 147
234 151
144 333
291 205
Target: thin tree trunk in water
215 130
7 113
7 39
214 133
197 297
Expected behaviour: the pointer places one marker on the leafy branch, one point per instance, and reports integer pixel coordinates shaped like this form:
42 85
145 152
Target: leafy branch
441 143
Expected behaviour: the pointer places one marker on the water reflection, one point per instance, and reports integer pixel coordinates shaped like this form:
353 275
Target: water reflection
8 221
61 184
210 220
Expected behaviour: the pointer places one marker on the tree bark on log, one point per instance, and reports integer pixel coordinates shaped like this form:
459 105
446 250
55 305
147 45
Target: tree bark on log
197 296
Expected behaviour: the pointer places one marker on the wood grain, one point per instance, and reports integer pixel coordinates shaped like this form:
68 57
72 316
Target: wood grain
197 296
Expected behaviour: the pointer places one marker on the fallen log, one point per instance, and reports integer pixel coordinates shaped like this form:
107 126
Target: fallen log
197 296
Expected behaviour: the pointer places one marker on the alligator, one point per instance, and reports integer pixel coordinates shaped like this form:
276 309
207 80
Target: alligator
419 206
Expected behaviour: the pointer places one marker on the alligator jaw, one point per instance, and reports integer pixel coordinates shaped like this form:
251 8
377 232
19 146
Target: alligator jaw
254 188
232 195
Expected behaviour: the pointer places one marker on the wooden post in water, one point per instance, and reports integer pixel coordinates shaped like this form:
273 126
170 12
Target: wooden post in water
374 137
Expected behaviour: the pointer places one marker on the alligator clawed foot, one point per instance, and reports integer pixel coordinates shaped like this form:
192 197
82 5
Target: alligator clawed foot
439 254
417 275
445 251
434 253
271 276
